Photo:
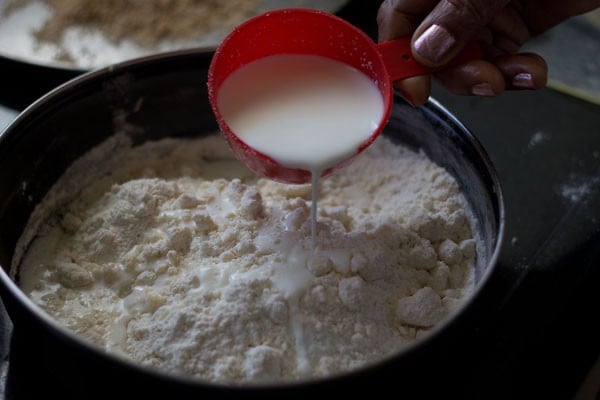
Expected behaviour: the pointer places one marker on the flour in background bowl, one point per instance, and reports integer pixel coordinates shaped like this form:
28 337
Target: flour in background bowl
176 256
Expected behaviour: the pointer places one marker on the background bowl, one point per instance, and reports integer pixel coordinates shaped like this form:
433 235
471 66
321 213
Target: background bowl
167 95
90 49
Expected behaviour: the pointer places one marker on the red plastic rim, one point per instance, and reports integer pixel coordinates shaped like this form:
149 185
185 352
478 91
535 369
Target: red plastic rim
294 31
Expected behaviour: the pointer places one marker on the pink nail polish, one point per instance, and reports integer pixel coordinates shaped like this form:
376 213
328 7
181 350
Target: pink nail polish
523 80
435 44
482 89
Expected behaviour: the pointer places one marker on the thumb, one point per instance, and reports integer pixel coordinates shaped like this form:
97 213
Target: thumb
449 27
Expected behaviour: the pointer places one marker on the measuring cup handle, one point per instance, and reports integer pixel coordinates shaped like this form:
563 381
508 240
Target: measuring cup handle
400 64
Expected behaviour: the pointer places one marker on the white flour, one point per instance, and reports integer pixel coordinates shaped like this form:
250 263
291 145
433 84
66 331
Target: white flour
175 255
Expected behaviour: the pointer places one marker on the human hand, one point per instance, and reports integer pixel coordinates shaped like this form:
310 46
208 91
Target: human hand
441 28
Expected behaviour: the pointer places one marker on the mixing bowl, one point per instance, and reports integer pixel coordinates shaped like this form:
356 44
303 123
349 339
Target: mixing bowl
166 95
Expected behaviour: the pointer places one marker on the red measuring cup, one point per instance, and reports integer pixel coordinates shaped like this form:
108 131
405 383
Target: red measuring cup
312 32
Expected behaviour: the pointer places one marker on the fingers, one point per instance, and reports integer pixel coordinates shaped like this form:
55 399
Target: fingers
450 26
523 71
397 18
510 31
478 78
485 78
415 90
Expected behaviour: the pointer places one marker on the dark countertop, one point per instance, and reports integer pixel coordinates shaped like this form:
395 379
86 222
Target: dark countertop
546 148
545 145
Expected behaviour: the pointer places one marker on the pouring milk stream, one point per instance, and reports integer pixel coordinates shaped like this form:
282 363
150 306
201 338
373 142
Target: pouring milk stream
304 111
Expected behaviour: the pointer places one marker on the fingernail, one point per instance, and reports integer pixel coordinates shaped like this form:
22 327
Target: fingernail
435 44
523 80
482 89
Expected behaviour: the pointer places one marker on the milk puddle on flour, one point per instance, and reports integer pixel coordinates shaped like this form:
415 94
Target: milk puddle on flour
303 111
